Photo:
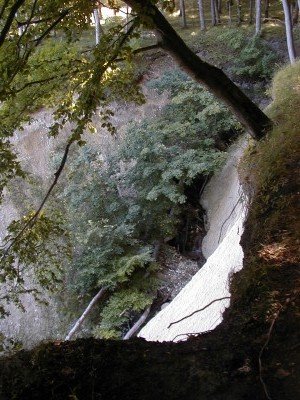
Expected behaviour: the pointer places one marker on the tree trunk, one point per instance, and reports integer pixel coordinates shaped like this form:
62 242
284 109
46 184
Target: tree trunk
217 12
183 14
213 13
296 13
251 12
257 17
86 312
138 324
100 10
254 120
201 15
266 11
229 12
220 6
97 25
292 12
239 12
289 31
127 19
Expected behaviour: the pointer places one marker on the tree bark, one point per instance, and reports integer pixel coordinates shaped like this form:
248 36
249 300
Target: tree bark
239 12
266 11
213 13
9 20
250 12
138 324
289 31
257 17
218 20
220 6
229 4
296 13
182 13
201 15
86 312
215 80
97 26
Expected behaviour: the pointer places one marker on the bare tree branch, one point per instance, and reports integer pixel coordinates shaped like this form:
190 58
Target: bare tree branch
141 50
138 324
46 80
195 312
86 312
10 19
52 26
5 4
28 22
33 219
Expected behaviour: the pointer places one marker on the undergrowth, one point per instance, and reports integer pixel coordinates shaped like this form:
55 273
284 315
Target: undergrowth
271 239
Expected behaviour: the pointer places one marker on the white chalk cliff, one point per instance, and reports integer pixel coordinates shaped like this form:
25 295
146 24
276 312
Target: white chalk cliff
224 203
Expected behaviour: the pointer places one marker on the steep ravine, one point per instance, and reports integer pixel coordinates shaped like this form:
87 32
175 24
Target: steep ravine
38 153
225 205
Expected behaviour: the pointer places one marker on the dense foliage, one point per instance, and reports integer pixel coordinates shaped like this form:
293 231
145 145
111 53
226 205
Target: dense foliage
130 200
119 206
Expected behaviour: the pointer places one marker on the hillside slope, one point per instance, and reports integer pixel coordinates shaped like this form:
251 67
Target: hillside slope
253 354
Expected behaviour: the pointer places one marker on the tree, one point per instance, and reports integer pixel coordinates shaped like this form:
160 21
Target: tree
201 15
98 28
239 12
75 14
266 9
213 12
251 11
257 17
39 71
289 30
183 13
255 121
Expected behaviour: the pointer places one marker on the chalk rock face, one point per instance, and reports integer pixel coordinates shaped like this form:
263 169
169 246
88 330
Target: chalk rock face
223 201
210 283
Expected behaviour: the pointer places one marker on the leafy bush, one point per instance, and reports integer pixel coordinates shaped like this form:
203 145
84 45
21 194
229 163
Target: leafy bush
256 60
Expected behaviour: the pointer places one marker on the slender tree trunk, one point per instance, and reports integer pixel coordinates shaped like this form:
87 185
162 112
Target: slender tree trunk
213 13
289 31
217 12
86 312
100 10
251 12
266 10
127 19
220 6
229 4
183 14
239 12
296 13
255 121
138 324
257 17
97 25
201 15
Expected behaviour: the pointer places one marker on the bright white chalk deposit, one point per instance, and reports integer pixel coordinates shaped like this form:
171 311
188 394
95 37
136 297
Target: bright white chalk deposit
224 204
